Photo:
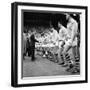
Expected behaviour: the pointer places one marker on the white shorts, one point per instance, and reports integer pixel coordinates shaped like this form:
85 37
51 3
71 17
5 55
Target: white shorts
69 42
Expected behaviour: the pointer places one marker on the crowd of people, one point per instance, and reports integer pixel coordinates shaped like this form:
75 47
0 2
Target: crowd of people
60 47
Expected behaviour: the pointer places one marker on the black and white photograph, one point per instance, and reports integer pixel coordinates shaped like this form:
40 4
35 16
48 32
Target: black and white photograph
50 43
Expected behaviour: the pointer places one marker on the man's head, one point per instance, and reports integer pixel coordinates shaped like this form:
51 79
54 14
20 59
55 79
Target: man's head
59 25
52 29
34 32
67 16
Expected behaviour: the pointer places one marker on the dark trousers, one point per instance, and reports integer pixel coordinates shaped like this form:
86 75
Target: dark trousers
32 53
29 52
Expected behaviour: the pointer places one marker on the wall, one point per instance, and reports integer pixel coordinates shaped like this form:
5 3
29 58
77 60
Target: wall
5 46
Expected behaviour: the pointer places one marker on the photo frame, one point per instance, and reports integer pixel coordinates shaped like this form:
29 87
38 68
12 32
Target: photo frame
38 17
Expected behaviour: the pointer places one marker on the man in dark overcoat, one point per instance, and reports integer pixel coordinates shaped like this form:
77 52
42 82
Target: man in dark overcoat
32 46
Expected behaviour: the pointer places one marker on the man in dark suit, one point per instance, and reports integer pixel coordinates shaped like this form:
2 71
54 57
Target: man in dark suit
28 47
32 45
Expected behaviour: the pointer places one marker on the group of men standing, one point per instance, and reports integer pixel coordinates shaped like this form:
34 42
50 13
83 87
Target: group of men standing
66 39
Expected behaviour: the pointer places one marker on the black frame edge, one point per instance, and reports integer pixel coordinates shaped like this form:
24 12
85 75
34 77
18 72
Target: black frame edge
13 44
14 40
50 5
86 39
51 83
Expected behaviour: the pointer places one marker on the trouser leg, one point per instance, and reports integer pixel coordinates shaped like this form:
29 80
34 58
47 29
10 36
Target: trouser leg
74 51
60 56
33 54
76 55
65 51
29 52
66 56
24 53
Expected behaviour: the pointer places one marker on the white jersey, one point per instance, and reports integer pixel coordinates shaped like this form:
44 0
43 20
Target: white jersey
72 28
62 33
55 35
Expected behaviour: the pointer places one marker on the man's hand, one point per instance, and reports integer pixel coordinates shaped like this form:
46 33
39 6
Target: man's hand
63 43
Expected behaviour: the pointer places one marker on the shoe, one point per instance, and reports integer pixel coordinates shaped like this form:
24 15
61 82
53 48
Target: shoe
61 63
74 71
68 69
65 65
32 59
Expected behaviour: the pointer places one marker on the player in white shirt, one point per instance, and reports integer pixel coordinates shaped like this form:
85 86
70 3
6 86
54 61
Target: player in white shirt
62 33
55 39
25 36
62 40
71 42
55 36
